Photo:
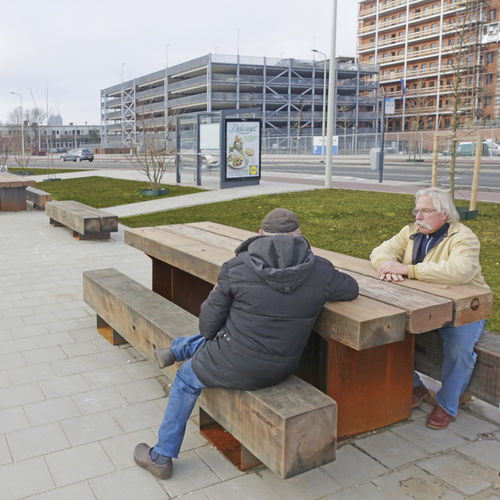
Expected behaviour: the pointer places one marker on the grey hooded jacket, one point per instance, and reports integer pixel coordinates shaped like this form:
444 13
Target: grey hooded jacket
259 316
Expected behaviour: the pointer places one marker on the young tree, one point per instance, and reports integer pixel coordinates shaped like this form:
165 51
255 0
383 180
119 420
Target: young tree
417 105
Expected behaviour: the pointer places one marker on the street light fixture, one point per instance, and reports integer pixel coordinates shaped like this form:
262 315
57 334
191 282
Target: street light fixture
324 105
22 123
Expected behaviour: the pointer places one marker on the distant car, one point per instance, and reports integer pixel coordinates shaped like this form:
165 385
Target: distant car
78 154
209 161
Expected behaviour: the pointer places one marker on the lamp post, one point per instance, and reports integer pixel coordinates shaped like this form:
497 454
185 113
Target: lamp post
331 125
22 123
324 106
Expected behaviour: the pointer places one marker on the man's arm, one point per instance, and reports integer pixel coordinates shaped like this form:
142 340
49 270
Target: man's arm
342 287
214 310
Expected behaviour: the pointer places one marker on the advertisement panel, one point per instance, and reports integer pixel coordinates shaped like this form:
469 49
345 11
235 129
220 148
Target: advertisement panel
318 145
242 155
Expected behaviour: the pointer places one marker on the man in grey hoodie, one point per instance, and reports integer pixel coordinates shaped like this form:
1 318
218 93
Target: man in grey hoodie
253 326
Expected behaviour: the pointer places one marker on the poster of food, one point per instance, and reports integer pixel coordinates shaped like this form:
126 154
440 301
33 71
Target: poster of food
242 148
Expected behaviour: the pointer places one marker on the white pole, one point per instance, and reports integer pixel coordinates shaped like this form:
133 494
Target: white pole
331 100
324 106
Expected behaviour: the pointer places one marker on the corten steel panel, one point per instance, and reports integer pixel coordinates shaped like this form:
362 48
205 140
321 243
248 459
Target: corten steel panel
12 199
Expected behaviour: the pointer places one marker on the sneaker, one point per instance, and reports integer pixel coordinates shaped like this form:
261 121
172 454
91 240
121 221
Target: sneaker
164 357
438 419
418 395
143 459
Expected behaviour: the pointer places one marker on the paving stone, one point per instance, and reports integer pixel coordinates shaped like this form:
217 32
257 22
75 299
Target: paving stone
5 457
31 373
16 345
390 449
141 390
460 473
37 441
12 360
140 416
19 395
486 451
192 439
51 339
193 495
485 410
64 385
99 400
121 448
30 319
142 370
44 354
414 483
429 440
73 366
248 487
83 334
79 349
364 492
471 427
5 380
13 478
51 410
81 430
78 464
352 466
218 463
307 486
12 419
11 323
80 491
114 376
129 484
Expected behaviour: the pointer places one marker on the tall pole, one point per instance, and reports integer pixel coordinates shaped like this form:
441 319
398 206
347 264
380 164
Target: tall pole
331 100
324 106
22 124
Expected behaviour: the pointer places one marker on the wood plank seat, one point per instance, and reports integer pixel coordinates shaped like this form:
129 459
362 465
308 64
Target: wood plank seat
38 197
290 427
86 222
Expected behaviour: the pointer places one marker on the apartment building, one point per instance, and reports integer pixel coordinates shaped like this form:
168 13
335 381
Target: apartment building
433 54
288 93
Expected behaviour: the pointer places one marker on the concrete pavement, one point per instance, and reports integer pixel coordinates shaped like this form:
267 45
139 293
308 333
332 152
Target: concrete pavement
72 407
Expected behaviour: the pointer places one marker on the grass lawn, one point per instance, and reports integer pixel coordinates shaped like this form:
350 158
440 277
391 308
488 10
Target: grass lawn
100 192
44 171
349 222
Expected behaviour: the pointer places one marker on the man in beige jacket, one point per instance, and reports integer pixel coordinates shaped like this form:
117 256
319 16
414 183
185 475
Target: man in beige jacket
439 249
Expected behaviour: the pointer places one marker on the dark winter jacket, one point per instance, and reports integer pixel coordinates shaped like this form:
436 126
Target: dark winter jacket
260 314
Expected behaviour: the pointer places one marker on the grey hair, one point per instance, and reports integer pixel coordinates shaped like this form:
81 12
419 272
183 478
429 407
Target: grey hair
442 201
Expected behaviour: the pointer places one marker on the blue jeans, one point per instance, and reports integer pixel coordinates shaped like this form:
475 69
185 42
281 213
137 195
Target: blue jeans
459 359
182 398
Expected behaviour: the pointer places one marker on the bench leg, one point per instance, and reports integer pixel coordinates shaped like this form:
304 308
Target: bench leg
112 336
54 223
229 446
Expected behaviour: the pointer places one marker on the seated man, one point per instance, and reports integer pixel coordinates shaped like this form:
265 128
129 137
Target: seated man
439 249
253 326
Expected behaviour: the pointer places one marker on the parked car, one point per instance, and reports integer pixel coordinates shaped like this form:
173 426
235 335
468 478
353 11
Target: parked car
209 161
78 154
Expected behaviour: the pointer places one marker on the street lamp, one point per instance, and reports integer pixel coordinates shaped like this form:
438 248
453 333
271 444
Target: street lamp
324 105
22 123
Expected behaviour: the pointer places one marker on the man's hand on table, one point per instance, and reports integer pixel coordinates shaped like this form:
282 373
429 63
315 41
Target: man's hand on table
392 271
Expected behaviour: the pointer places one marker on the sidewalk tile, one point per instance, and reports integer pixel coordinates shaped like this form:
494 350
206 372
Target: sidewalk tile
16 345
51 339
31 373
78 464
90 428
142 370
121 448
430 440
75 349
390 449
5 457
352 467
460 473
37 441
44 354
115 376
20 395
218 463
72 366
30 319
364 492
141 390
80 491
13 419
13 479
51 410
486 451
99 400
12 360
307 486
129 484
139 416
485 410
63 386
413 482
247 487
5 380
193 438
470 426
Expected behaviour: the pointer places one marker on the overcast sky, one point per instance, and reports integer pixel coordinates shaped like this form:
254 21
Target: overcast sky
71 50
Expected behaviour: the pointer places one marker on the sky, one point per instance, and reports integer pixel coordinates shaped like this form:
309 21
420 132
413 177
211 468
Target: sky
59 54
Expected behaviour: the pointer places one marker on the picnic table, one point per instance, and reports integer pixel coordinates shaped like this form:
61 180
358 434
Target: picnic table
360 353
13 192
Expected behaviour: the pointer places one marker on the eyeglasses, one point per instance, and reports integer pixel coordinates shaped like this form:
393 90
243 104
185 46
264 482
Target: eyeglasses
423 211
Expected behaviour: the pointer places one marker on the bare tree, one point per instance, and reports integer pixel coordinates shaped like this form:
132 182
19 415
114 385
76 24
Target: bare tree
345 120
417 104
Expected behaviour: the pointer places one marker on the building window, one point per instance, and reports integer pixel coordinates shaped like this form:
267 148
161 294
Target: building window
487 100
490 57
489 79
493 14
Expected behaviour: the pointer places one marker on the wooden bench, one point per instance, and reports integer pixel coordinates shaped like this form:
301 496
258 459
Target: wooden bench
38 197
13 192
290 427
86 222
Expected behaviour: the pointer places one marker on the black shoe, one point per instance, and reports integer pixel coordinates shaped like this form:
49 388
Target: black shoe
164 357
143 459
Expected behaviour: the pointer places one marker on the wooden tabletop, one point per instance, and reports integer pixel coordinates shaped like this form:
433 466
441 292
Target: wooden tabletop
382 313
10 181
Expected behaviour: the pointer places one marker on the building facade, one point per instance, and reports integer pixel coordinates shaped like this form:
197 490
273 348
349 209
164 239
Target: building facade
434 55
288 93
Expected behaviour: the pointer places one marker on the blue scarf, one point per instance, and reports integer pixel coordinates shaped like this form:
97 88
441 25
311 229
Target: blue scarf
424 242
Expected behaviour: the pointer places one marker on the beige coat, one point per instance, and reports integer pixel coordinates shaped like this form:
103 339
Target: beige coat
453 261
